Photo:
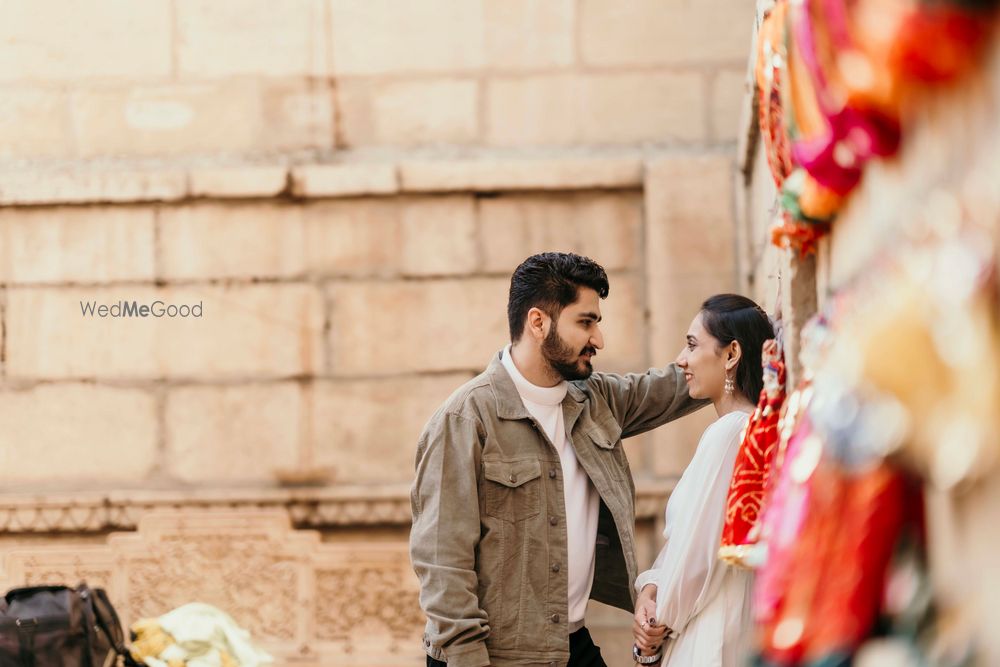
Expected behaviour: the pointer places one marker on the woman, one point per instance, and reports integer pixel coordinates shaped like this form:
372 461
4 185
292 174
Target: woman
693 609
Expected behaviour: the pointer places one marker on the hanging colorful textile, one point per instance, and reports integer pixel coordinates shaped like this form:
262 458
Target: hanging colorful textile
753 465
831 77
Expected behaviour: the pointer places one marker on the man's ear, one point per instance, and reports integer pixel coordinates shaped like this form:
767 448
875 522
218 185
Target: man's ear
537 323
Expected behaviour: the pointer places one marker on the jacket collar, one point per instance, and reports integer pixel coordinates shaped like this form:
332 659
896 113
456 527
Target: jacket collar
509 403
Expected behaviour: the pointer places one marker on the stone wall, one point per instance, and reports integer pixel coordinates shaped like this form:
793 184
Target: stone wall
344 186
178 77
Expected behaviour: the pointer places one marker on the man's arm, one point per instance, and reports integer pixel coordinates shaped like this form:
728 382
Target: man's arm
444 537
643 401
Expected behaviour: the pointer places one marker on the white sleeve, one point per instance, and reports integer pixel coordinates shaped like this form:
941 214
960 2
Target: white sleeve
683 571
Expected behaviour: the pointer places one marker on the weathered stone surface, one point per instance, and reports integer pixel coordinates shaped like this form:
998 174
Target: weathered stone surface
390 37
410 113
665 32
210 240
59 435
45 40
232 434
237 182
76 245
217 39
341 180
91 186
522 34
35 123
605 227
367 430
381 328
566 173
244 332
417 236
168 119
596 109
730 90
690 248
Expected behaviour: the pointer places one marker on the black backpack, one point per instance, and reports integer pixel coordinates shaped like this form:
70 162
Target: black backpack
58 626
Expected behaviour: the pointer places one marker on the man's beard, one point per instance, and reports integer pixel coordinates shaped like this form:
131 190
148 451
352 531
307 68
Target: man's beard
564 360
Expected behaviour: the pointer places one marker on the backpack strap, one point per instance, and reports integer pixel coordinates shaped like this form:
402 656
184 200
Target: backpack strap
108 622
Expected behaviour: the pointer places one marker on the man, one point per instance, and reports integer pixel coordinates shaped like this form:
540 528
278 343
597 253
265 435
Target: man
523 503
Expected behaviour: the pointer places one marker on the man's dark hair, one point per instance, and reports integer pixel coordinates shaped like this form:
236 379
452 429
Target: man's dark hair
730 317
550 281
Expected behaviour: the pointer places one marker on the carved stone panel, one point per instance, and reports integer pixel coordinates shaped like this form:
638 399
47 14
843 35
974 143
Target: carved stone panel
305 601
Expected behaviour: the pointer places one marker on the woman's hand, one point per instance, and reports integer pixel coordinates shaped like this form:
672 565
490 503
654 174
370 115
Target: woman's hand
646 634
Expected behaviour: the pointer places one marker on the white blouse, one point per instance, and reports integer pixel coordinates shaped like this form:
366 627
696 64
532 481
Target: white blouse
706 601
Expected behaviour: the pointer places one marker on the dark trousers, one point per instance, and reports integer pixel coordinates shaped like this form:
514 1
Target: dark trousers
582 652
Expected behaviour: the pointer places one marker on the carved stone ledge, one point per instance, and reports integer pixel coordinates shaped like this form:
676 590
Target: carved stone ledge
326 507
350 175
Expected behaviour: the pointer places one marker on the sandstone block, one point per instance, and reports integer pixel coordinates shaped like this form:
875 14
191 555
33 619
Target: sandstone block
665 32
218 39
378 441
45 40
35 123
76 245
730 91
341 180
210 240
438 236
410 113
623 327
76 433
353 237
605 227
522 34
296 115
599 109
381 328
237 182
689 208
254 331
168 119
383 37
233 434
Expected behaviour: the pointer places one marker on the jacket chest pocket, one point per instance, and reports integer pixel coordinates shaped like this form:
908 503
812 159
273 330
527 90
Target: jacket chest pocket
512 490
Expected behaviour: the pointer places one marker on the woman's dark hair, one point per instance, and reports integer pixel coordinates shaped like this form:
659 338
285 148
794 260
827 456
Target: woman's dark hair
730 317
550 281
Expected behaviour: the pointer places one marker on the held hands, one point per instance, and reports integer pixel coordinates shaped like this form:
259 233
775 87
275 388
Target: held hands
647 635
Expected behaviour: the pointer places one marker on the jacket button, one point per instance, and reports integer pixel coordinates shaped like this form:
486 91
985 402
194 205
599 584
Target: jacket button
513 479
555 618
553 521
555 568
552 473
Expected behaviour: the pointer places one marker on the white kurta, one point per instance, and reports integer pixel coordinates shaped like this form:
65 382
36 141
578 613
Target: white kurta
706 601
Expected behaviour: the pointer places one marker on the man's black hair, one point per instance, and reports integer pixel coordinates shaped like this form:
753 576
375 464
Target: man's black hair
550 281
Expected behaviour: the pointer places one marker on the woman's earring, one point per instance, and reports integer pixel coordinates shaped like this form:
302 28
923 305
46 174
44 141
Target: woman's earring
730 385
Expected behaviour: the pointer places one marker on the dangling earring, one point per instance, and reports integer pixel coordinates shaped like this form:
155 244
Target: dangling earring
730 386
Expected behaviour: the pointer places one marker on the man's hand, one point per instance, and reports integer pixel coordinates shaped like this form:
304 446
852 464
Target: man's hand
646 634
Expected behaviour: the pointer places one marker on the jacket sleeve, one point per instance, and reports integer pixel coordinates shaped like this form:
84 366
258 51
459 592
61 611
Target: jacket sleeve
444 537
643 401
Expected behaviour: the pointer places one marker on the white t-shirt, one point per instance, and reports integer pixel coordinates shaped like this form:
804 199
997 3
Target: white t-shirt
581 498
